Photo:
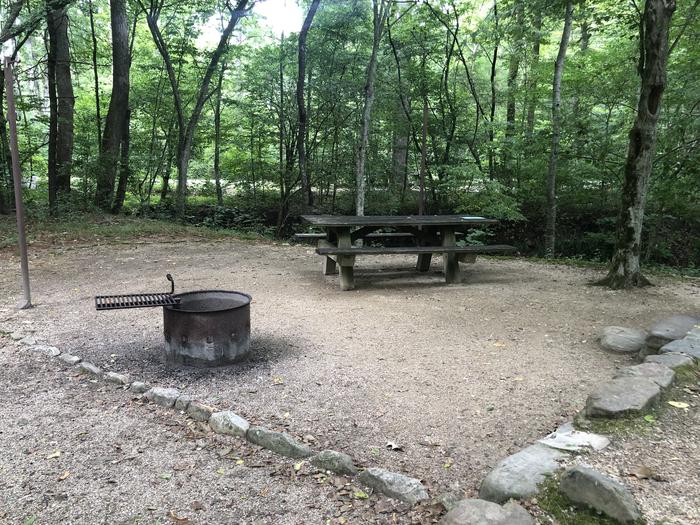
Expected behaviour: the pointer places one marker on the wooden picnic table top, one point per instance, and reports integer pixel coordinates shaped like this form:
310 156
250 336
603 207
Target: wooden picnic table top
349 221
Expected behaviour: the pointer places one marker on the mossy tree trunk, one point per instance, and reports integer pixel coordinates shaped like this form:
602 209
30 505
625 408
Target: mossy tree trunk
625 271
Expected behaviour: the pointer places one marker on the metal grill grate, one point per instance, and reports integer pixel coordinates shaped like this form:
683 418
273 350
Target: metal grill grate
140 300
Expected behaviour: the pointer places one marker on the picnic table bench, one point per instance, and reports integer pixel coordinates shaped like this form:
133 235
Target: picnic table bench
434 234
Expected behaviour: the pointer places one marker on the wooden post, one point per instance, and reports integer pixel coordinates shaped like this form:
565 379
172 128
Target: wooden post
347 277
449 260
17 178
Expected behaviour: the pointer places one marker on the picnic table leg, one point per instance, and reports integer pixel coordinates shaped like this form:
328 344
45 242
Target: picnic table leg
423 264
328 266
449 260
347 277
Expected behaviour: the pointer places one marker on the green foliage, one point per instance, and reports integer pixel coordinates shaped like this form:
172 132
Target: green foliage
475 164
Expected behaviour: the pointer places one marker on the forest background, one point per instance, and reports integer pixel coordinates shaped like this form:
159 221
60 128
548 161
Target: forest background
206 113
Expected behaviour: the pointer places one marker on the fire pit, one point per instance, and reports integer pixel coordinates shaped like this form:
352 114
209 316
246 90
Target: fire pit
207 328
204 328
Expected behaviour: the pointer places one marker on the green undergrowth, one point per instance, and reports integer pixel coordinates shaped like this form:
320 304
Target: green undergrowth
565 512
642 424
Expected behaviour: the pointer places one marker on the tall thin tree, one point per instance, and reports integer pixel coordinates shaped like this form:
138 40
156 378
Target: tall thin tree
61 103
301 105
625 270
188 126
551 223
118 106
380 10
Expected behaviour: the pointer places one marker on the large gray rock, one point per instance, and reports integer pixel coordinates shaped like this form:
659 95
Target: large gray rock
672 360
585 486
395 485
622 397
519 475
480 512
139 387
69 359
230 423
667 330
335 462
182 402
89 369
688 345
658 373
164 397
566 437
622 340
279 442
117 379
46 349
201 412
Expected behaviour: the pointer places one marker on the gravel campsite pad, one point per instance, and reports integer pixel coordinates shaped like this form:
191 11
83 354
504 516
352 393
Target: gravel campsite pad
455 377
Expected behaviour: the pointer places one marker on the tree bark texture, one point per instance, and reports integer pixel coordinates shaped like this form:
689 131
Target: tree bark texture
381 10
60 76
550 227
217 137
98 115
625 271
301 106
118 106
124 146
532 83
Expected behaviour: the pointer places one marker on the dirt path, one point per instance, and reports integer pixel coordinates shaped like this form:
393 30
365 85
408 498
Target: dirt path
459 376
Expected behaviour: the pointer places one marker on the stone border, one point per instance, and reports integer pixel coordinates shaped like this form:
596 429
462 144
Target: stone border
393 484
633 390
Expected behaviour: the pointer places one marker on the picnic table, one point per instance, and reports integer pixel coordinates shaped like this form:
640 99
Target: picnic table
433 234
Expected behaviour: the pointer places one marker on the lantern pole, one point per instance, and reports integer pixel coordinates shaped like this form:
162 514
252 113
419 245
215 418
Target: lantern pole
26 302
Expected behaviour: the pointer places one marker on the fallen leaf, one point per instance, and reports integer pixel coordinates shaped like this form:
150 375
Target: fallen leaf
678 404
63 476
29 521
360 494
166 475
55 454
297 466
221 471
277 380
448 463
240 462
180 520
649 418
499 344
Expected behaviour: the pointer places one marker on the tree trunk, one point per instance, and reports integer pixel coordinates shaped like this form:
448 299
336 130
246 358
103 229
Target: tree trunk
492 112
423 158
301 132
381 10
5 166
532 83
123 165
98 116
550 227
187 127
118 106
57 22
217 137
399 155
625 271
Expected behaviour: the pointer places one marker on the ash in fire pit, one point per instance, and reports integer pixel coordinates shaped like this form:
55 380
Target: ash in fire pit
207 328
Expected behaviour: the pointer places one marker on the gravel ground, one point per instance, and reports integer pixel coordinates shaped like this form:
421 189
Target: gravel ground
459 376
